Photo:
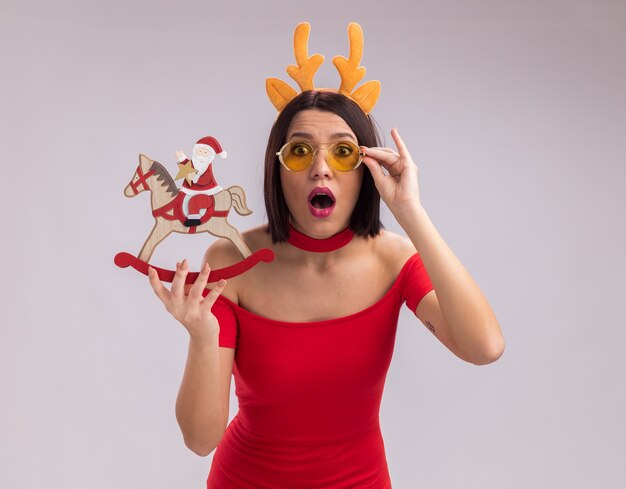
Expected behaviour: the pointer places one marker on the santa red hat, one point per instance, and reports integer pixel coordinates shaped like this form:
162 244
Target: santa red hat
211 143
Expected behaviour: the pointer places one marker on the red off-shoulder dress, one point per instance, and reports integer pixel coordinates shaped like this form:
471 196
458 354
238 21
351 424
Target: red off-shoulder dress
309 395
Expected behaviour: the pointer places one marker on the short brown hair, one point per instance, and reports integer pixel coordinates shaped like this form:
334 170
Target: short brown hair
365 219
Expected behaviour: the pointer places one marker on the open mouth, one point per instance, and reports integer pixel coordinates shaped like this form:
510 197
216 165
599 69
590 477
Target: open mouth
321 202
321 198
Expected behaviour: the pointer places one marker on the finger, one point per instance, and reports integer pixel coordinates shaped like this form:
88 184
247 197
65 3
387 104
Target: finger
385 156
382 152
196 290
402 149
387 150
394 168
178 281
212 296
375 169
159 289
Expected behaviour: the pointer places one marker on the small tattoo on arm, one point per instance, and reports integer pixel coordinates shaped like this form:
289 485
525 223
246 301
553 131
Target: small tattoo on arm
431 326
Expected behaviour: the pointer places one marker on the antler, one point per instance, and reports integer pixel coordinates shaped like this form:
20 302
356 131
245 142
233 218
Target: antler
351 73
349 69
304 72
279 92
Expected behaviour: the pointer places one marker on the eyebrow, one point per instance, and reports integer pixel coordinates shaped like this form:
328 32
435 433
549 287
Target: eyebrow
308 135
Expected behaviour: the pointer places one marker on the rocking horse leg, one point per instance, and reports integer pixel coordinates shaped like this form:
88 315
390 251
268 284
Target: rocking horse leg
222 228
158 234
240 244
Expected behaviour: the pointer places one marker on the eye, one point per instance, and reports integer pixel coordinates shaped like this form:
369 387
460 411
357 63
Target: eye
300 149
344 150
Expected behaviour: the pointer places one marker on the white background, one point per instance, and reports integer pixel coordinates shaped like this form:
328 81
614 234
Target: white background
515 113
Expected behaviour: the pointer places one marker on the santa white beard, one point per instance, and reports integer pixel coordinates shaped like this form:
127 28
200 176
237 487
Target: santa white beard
201 163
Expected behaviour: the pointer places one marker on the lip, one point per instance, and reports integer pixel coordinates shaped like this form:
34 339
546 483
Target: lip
320 213
321 190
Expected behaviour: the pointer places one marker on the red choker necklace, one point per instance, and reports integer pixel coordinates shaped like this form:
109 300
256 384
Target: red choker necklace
306 243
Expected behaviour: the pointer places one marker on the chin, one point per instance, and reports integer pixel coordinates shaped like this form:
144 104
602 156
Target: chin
321 228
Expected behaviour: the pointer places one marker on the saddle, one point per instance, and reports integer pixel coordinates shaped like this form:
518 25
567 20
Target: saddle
173 211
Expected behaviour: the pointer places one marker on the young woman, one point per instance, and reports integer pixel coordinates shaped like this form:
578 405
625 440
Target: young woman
309 336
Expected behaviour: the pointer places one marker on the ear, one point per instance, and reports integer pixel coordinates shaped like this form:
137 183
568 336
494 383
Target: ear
144 162
367 95
279 93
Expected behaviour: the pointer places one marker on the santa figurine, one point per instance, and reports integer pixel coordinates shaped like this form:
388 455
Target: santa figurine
199 179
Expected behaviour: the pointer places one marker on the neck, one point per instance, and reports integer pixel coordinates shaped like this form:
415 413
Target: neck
306 243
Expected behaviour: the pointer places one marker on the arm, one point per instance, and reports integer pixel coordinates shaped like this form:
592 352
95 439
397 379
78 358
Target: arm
202 403
457 311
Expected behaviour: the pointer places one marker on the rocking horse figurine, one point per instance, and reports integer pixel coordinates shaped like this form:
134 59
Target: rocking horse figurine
200 205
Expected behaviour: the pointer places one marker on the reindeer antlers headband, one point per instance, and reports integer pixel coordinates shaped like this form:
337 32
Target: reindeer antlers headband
280 93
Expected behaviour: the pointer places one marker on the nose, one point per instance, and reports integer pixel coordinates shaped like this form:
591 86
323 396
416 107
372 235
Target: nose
320 167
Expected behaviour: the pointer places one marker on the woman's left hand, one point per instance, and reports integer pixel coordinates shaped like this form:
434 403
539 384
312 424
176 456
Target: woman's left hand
400 189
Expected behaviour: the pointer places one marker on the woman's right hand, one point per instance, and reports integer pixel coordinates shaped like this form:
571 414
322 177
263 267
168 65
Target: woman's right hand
192 310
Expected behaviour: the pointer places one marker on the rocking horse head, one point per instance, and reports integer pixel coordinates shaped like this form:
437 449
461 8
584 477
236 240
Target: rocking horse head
139 182
141 179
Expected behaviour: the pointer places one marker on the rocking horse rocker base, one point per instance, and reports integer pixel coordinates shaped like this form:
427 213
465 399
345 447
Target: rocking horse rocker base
125 260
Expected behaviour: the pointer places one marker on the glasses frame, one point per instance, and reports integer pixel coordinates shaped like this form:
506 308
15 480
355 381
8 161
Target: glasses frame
315 147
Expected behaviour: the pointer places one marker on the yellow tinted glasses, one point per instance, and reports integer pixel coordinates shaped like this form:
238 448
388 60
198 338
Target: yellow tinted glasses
299 155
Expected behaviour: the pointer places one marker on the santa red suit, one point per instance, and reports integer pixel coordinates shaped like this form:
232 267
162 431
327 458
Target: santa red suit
203 182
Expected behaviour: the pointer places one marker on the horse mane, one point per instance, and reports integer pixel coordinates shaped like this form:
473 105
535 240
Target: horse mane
164 178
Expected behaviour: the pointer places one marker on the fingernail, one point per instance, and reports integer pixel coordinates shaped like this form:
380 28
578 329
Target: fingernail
221 283
205 267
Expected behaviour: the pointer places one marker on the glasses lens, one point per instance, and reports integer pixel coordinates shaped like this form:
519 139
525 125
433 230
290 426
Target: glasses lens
297 156
344 156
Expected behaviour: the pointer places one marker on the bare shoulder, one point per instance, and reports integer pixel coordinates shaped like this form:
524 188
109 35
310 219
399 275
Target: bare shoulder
257 238
394 250
223 253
